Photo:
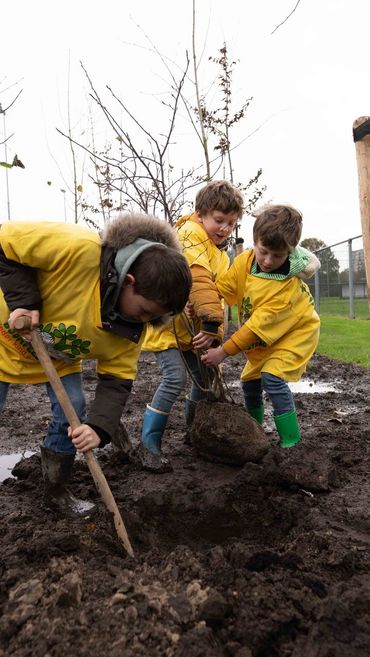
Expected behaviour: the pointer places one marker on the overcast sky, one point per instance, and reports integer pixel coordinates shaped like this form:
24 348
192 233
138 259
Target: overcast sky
309 80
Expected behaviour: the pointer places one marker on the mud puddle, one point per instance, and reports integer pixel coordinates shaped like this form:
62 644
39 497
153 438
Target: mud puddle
305 386
8 461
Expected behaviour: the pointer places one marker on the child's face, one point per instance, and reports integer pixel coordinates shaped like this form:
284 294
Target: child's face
268 259
218 225
134 306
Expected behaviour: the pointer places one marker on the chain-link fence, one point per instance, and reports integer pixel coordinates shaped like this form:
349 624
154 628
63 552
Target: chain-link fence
340 285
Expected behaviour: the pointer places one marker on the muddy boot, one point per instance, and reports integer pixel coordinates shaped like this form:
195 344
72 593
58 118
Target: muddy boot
257 413
57 470
190 408
156 463
287 428
149 452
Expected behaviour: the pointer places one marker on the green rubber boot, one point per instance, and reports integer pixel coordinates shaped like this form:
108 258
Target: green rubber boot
257 413
288 429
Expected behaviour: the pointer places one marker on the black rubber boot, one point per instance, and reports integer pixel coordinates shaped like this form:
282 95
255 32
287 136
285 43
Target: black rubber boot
190 408
57 471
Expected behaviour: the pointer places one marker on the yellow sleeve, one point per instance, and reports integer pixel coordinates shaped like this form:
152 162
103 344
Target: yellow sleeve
195 249
204 296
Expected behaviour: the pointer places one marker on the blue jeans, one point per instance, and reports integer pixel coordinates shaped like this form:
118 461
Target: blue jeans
175 378
276 389
57 439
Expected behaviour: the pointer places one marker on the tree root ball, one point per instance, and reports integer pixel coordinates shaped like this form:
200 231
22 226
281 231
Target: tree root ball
223 432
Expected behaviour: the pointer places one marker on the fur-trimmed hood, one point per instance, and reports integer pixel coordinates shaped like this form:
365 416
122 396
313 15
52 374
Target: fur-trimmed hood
123 240
129 226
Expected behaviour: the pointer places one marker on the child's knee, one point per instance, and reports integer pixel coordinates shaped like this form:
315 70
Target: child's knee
272 383
177 379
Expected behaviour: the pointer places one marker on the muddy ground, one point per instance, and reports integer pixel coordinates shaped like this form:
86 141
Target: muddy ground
266 560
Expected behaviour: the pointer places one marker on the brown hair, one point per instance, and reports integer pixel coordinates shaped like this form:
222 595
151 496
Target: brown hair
219 195
278 227
163 275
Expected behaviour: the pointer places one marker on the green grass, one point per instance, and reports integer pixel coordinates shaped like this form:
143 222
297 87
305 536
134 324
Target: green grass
335 306
341 338
344 339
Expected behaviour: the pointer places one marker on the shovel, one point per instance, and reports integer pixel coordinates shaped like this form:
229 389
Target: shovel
71 415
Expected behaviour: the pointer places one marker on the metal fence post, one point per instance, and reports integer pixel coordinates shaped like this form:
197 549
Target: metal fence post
350 281
317 291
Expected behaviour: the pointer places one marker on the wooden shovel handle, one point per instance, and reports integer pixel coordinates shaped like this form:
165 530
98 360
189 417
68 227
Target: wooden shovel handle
72 417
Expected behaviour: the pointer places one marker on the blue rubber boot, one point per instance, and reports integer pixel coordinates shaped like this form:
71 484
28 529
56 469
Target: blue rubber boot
154 424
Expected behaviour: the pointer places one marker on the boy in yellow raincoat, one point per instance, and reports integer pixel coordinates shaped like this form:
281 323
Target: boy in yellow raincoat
203 235
90 297
280 327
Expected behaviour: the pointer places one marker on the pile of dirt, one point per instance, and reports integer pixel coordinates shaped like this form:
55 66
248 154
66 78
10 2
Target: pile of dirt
265 559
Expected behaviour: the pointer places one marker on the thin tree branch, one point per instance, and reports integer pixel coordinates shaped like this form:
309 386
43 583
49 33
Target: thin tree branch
3 111
287 18
7 139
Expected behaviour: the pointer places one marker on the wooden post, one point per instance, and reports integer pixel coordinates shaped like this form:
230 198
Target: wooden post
361 136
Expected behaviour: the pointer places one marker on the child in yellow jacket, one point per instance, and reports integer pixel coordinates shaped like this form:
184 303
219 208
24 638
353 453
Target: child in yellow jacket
90 297
203 235
280 327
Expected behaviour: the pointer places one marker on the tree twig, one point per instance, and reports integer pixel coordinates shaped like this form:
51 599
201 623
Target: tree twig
287 18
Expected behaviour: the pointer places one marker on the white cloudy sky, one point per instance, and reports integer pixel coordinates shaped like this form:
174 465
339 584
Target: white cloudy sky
309 81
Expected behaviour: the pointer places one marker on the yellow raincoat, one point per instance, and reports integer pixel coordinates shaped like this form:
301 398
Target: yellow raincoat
207 263
280 313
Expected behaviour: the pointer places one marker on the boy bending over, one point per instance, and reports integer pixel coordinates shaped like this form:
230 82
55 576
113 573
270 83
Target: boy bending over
90 297
280 328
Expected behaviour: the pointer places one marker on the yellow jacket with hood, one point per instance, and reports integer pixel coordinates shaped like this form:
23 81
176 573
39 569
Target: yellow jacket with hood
279 325
207 264
67 272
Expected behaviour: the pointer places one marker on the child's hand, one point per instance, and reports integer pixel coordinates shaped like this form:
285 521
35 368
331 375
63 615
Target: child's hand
34 316
214 357
189 310
84 438
203 340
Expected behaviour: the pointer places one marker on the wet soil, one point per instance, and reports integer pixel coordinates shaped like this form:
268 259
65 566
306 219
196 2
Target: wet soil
266 559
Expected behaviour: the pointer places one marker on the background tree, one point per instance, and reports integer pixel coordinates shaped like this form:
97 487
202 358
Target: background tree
138 169
329 271
103 177
141 171
15 161
218 123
